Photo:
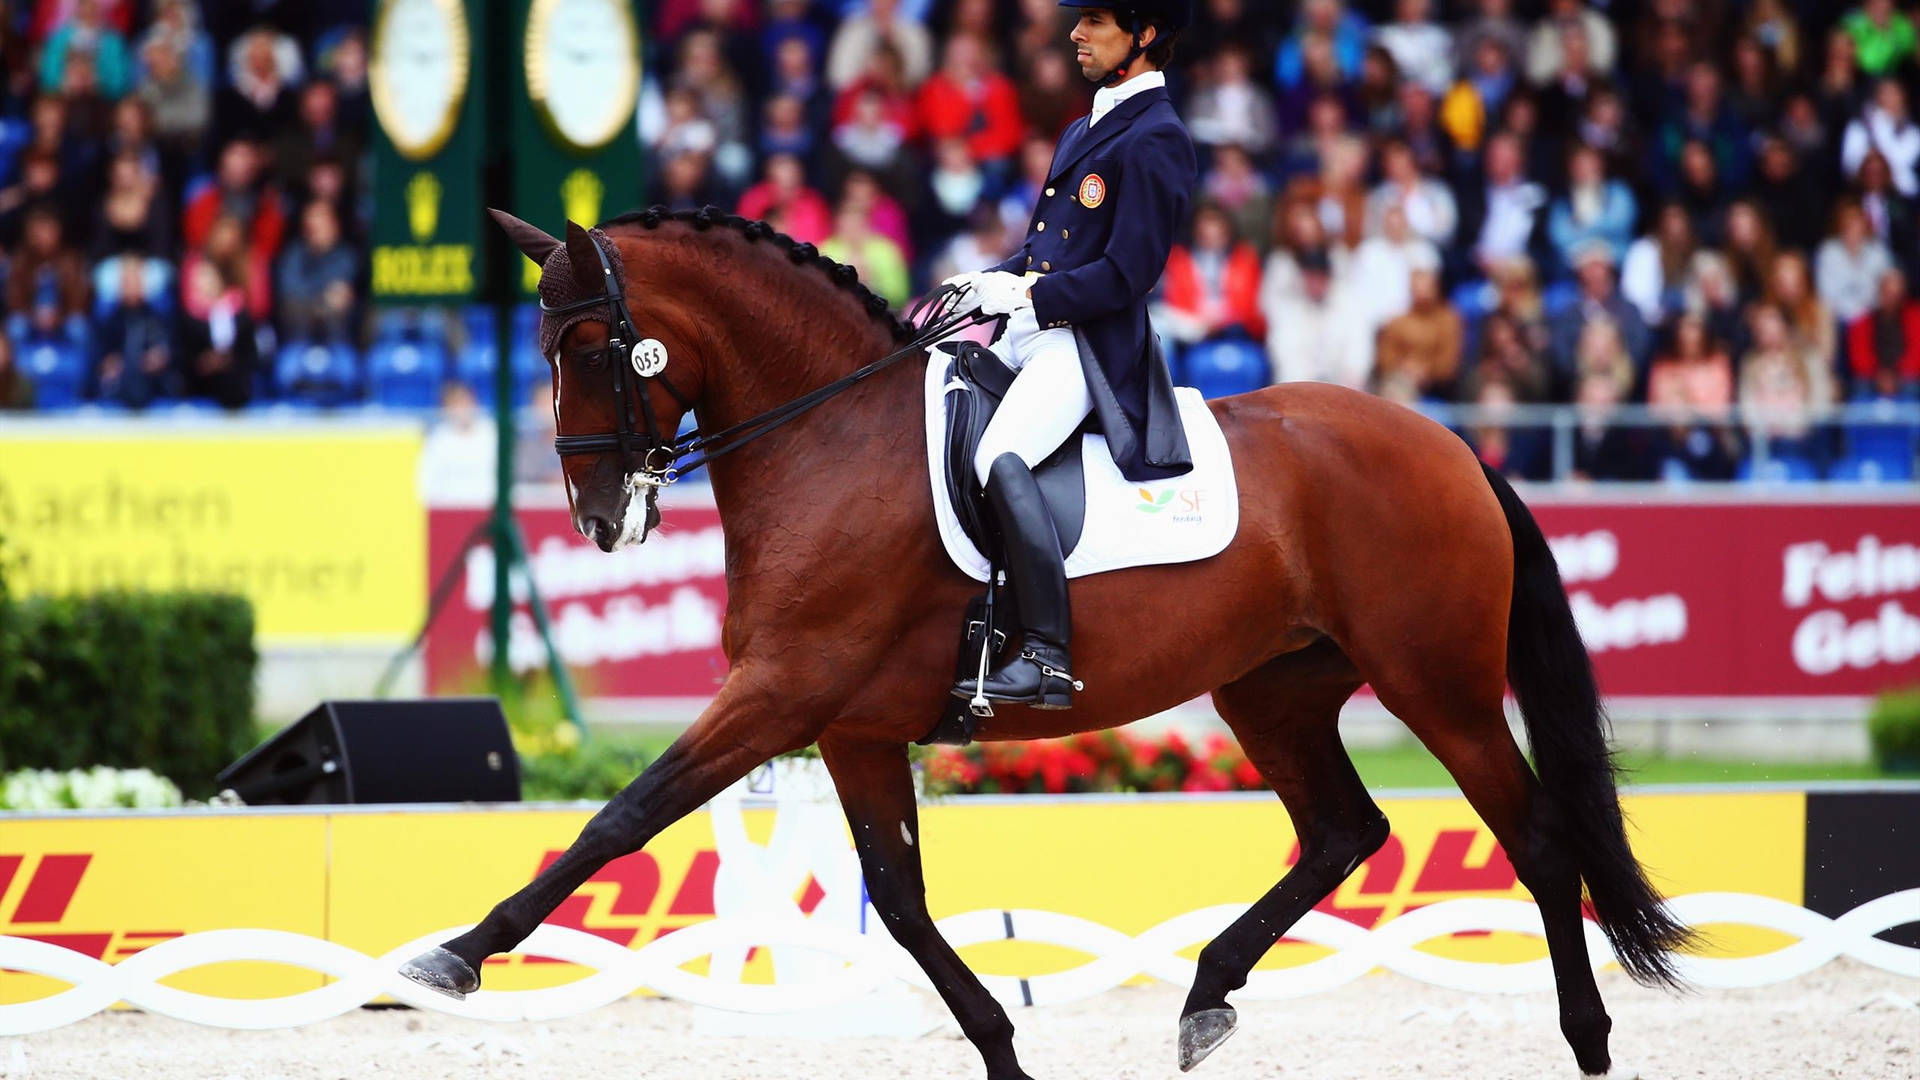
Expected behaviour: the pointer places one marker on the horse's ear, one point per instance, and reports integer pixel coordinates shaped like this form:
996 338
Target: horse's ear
585 258
528 238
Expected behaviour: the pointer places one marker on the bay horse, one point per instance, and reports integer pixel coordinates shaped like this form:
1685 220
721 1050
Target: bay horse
1373 548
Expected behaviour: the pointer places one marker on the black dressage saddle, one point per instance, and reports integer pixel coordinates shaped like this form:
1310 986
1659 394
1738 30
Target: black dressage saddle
975 384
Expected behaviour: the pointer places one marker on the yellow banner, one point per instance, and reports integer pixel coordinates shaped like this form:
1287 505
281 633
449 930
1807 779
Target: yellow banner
109 887
1132 865
320 527
397 876
374 880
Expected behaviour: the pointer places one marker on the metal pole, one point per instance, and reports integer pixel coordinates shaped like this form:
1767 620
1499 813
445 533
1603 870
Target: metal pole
556 666
503 272
1562 445
497 180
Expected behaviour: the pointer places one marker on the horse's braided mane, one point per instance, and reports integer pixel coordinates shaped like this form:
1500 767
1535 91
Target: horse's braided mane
800 254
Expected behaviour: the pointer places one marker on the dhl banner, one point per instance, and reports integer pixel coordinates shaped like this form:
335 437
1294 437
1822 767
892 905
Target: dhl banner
109 888
264 919
320 527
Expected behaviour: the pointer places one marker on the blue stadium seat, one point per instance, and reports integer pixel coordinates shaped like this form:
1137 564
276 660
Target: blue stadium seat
526 322
1863 469
1779 469
310 373
406 374
478 323
1559 297
1881 442
57 369
1473 299
1220 368
473 364
157 273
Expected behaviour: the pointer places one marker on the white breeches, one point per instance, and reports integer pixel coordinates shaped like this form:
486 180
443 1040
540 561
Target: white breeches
1048 398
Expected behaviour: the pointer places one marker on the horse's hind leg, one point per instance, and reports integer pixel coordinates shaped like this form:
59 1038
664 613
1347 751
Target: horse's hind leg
1495 778
875 785
1453 704
1286 716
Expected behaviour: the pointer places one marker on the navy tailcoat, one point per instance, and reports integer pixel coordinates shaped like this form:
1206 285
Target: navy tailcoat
1115 197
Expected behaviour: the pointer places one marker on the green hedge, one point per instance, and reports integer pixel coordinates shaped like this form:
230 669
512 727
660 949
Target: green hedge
156 680
1894 730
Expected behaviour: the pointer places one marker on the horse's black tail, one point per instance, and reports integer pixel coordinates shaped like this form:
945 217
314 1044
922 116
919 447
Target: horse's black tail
1552 678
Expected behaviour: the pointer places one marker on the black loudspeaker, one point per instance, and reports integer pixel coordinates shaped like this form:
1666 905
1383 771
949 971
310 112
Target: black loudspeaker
440 750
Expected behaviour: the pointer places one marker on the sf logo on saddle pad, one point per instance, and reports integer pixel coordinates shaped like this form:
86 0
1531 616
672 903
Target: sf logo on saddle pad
1186 509
1093 191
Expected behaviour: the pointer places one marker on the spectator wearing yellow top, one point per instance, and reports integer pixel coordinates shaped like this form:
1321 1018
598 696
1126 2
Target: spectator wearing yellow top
879 260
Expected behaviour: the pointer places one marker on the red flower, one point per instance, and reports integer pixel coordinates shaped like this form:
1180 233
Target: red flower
1248 776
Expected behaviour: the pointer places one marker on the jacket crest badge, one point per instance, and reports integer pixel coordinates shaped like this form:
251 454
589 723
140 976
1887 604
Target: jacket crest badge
1093 191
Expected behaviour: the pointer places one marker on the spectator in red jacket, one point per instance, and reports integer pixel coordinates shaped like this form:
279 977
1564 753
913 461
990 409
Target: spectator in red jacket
1883 346
1212 289
967 97
238 191
784 201
884 80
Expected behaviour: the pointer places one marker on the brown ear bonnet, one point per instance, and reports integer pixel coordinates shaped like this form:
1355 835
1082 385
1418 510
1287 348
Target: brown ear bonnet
559 284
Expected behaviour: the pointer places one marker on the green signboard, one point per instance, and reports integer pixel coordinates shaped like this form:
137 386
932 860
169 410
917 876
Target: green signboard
427 77
576 152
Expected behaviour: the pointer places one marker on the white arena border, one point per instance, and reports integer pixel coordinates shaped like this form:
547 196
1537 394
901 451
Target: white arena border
875 962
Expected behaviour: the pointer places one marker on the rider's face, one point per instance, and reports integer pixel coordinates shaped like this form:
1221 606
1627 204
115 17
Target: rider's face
1101 43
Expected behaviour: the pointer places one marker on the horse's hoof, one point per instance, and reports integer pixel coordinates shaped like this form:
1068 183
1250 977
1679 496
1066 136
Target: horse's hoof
443 972
1202 1033
1618 1071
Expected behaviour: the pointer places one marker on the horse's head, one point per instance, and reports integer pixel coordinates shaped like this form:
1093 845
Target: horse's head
621 382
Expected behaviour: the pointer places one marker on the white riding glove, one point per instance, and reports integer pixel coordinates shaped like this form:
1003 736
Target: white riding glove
969 298
1001 293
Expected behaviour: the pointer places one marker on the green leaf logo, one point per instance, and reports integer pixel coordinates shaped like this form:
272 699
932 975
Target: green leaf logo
1149 504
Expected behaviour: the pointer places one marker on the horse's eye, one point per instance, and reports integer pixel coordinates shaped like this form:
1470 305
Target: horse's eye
595 360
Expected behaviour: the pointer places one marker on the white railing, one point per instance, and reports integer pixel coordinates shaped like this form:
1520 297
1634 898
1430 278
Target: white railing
1564 423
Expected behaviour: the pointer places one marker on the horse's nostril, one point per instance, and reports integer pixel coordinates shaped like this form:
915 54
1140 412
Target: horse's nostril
600 530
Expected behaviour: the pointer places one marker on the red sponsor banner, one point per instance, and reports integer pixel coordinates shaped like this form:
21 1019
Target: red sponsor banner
1743 599
1710 599
643 622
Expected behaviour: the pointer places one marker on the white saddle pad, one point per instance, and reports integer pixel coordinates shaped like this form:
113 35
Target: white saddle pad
1166 521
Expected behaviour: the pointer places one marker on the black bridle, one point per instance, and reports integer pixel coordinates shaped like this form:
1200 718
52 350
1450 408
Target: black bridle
654 460
622 354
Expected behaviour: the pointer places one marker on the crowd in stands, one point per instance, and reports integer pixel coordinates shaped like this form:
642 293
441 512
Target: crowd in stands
181 187
1692 205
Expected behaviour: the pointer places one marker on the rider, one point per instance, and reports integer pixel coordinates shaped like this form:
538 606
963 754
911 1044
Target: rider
1116 193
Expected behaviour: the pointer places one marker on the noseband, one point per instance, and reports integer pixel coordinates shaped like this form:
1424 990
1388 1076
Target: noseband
653 459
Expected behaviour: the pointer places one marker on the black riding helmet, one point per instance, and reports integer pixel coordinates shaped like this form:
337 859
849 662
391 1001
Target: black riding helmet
1171 16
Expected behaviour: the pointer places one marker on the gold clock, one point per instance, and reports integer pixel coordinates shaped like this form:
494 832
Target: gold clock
583 69
417 72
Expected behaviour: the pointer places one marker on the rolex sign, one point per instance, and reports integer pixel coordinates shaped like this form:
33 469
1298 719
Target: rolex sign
425 81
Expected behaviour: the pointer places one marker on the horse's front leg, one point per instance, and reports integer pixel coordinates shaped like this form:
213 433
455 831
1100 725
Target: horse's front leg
875 784
742 728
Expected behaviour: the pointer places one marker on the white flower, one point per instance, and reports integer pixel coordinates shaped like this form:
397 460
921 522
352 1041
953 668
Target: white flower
101 787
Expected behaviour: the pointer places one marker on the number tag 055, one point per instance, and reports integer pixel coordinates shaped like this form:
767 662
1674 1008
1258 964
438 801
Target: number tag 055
649 357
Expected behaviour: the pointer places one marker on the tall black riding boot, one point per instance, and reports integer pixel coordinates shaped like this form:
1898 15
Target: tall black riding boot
1039 673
